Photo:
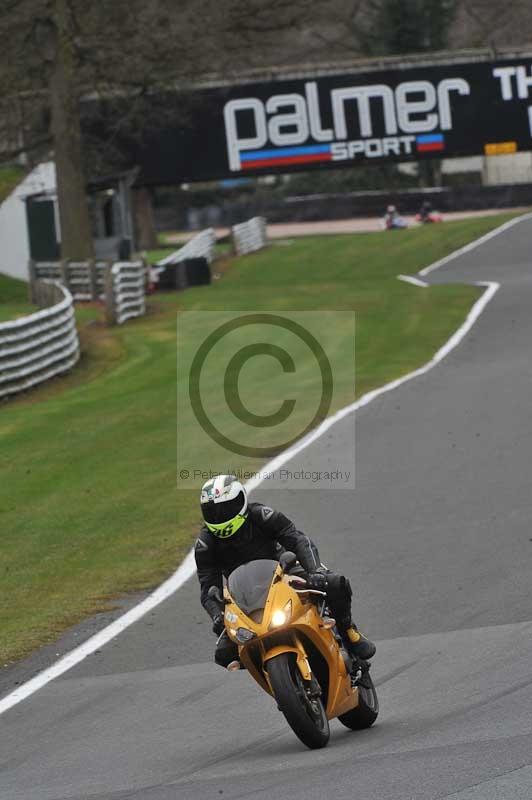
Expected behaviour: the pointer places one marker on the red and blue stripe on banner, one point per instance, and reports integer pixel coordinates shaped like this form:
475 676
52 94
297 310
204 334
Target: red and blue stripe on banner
431 142
280 156
286 155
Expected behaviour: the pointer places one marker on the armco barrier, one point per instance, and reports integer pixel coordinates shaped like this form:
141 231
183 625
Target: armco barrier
125 291
249 236
85 280
201 246
41 345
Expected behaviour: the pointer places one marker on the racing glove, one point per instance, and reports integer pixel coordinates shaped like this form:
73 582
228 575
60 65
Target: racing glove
218 624
317 581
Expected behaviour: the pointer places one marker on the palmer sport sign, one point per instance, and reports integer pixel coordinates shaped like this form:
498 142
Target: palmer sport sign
363 122
410 113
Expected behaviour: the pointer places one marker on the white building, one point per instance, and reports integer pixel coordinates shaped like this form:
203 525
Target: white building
29 219
14 234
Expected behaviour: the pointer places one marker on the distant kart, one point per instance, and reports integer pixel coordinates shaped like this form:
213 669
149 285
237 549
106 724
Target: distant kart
434 216
396 223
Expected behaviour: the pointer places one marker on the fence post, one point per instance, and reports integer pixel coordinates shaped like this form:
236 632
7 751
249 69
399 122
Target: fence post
146 275
146 270
234 243
64 273
109 292
93 284
32 276
264 229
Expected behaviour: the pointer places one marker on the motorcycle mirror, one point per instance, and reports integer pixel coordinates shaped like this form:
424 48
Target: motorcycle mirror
215 594
287 560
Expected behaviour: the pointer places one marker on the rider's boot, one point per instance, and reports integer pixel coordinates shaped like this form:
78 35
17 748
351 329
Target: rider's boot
356 644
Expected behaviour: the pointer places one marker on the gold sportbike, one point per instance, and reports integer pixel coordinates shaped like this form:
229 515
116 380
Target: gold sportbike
290 645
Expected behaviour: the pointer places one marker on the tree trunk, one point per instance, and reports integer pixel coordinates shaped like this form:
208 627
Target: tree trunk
76 234
146 236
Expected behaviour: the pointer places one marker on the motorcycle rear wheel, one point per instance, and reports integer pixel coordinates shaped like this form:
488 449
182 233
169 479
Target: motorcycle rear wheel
367 711
306 717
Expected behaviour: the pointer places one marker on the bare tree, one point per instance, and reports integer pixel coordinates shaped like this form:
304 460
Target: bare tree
487 23
56 34
387 27
343 28
70 69
62 55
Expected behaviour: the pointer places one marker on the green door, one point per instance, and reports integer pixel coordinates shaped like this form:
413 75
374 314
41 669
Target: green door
41 230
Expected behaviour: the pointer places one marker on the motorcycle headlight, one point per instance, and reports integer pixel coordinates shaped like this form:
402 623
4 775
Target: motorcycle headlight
244 635
280 618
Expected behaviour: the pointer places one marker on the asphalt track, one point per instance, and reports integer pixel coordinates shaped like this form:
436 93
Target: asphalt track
437 539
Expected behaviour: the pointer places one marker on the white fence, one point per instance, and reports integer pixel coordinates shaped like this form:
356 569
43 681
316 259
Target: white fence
126 291
249 236
201 246
85 280
41 345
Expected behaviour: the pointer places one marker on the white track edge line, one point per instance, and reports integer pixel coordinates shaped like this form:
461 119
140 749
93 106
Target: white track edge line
476 243
187 568
98 640
413 280
367 398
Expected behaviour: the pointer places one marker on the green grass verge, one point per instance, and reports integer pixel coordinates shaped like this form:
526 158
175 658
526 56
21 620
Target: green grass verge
9 178
169 239
88 505
153 256
13 298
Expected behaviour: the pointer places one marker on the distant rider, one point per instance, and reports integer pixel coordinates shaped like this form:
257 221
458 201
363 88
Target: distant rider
236 532
393 220
425 212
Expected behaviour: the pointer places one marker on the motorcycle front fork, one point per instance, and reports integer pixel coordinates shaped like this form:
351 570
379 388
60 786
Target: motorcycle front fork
360 674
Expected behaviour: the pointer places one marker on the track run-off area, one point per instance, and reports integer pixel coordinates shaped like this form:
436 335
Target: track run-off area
438 544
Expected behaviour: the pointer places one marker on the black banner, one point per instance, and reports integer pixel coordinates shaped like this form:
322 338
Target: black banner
476 108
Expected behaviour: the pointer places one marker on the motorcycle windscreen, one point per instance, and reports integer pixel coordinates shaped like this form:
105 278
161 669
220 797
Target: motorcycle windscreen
249 584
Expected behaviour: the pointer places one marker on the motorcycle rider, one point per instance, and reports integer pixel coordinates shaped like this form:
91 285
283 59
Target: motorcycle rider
236 532
393 220
426 212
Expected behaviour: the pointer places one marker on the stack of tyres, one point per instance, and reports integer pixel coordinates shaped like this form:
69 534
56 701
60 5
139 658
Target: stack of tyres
167 278
198 272
189 272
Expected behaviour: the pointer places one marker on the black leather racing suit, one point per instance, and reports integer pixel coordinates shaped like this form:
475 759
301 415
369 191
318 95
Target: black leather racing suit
265 534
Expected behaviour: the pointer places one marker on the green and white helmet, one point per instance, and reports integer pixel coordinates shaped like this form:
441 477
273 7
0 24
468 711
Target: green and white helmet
224 505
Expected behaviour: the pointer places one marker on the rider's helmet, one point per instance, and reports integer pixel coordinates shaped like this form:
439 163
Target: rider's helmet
224 505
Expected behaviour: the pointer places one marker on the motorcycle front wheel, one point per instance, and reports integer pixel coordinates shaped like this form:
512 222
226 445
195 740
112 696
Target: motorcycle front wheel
306 716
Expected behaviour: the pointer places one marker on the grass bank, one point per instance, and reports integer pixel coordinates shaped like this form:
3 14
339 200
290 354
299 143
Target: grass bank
9 178
88 505
13 298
